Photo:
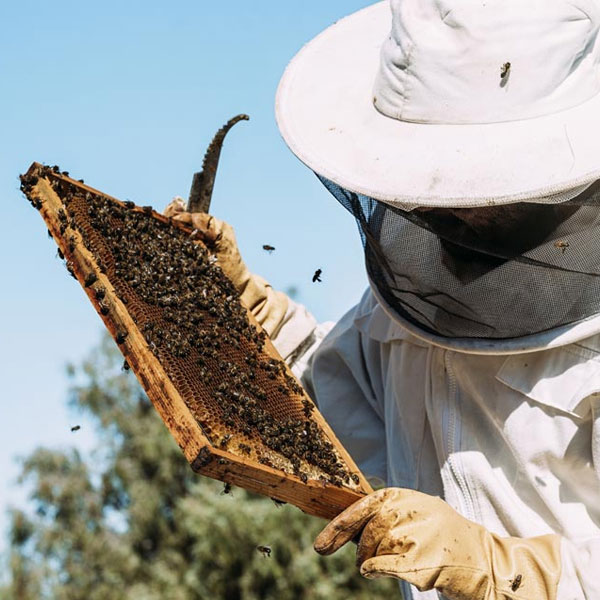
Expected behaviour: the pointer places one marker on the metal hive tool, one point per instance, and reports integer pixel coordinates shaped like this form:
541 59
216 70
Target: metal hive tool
228 399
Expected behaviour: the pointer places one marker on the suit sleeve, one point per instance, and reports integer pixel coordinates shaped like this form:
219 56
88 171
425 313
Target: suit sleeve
580 577
580 563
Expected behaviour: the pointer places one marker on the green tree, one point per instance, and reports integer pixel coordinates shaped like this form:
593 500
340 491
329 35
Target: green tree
136 523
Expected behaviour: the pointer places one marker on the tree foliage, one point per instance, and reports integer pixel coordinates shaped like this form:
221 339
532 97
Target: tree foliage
136 523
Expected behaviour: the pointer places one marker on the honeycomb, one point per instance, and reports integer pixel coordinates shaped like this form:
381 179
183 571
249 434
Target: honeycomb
240 393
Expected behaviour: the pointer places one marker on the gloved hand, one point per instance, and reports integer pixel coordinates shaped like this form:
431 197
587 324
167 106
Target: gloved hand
421 539
267 305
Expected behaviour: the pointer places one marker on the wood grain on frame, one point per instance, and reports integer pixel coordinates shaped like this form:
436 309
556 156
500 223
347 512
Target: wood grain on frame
315 497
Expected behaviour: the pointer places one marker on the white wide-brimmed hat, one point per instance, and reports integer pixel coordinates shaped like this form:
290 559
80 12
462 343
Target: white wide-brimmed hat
447 103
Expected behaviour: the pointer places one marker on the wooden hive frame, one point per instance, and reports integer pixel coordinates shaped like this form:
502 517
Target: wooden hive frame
314 497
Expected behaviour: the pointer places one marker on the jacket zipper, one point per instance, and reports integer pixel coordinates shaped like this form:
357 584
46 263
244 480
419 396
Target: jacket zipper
451 441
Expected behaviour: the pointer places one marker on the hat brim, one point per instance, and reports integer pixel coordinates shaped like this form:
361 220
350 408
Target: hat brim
325 113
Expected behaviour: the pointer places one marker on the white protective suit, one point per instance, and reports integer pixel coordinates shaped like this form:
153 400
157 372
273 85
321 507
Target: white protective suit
511 442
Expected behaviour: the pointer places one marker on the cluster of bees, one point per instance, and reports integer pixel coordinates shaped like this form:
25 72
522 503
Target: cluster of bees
191 317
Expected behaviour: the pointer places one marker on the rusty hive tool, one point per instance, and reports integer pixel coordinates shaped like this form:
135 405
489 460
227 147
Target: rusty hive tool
203 182
219 385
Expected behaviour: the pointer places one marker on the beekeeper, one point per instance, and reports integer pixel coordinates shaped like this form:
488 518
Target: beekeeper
464 138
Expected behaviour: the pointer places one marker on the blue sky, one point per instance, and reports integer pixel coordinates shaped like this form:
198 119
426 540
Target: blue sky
127 95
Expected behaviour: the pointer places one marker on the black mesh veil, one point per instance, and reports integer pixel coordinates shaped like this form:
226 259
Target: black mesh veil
497 273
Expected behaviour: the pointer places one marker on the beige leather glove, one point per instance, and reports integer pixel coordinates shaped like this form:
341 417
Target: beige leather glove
267 305
421 539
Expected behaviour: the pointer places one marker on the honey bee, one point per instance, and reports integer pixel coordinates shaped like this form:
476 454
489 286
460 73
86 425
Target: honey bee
265 550
561 245
121 336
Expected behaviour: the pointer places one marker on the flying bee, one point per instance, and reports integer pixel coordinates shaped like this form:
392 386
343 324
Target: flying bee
76 428
226 489
505 70
265 550
317 276
268 248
